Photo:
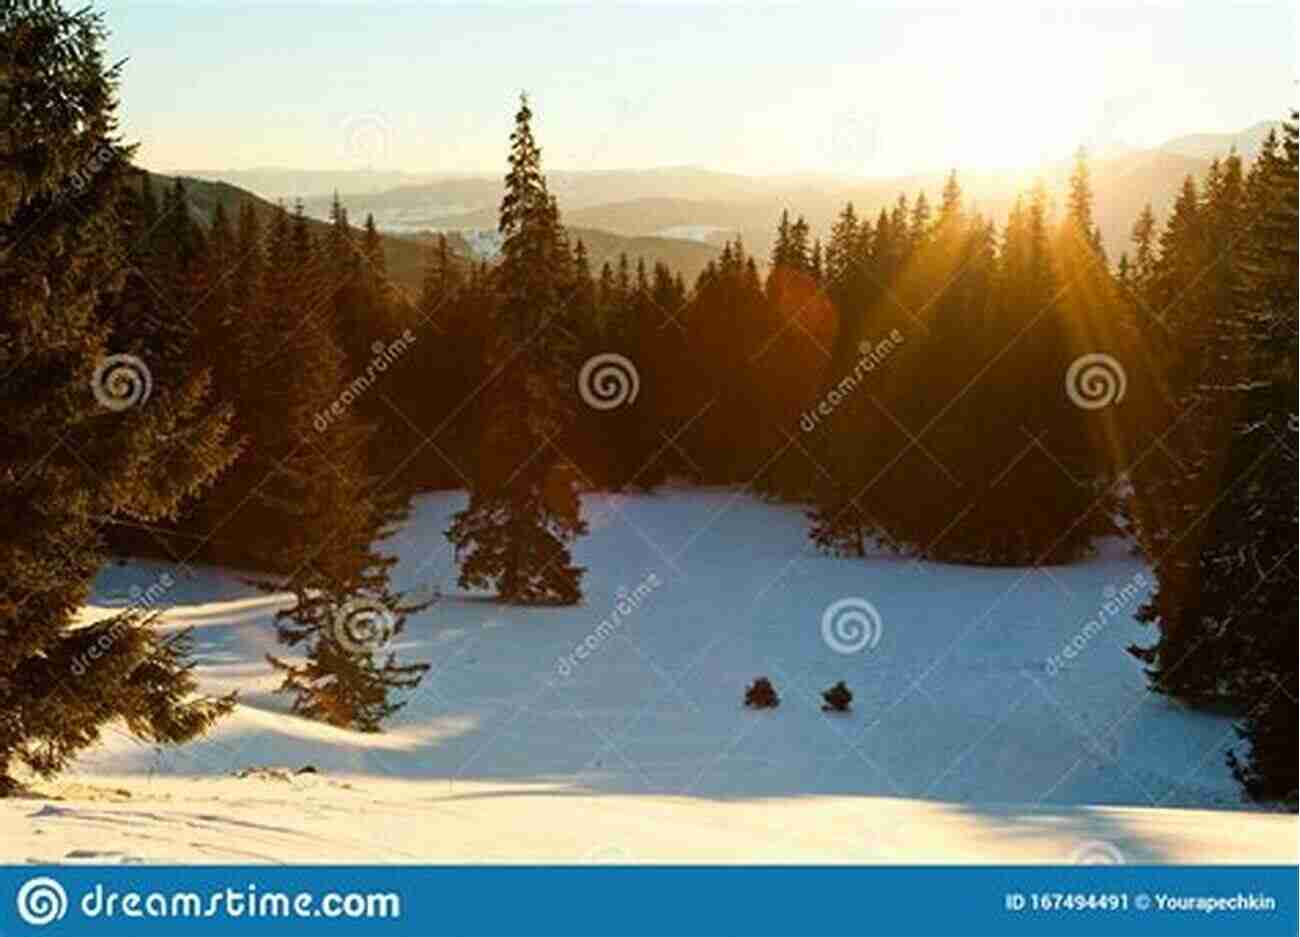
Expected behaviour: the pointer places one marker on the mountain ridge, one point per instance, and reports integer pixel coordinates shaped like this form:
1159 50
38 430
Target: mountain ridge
681 215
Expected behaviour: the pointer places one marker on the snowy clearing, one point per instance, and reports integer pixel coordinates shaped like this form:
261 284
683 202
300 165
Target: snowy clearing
964 744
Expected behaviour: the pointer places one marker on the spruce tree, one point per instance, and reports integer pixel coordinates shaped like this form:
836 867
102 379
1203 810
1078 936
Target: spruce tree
317 484
345 612
524 510
432 379
1204 345
1253 558
1143 238
839 523
1219 521
71 460
937 287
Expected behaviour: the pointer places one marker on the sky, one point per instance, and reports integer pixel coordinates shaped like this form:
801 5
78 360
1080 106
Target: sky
872 89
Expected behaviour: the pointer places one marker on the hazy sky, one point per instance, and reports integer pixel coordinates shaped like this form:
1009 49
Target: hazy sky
874 88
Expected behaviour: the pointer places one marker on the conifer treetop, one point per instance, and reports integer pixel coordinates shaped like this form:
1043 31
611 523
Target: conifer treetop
526 195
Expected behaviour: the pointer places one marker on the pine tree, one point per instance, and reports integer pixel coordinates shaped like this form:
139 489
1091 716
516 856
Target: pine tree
959 497
318 483
345 612
791 277
727 321
839 523
343 265
607 298
582 301
950 206
1254 557
1079 205
1064 475
1203 344
919 225
524 508
1219 521
441 279
432 379
1144 252
70 460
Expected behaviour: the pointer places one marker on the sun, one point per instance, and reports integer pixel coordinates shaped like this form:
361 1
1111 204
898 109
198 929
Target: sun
1001 91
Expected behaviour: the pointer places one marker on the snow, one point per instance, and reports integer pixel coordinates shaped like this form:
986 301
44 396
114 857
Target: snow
614 731
703 233
422 216
483 243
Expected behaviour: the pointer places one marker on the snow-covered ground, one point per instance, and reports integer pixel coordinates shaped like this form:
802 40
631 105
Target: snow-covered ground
703 233
968 741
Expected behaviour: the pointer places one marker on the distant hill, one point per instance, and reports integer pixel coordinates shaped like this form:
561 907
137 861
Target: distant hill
1209 145
405 257
1123 184
682 215
686 257
406 253
271 183
682 256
